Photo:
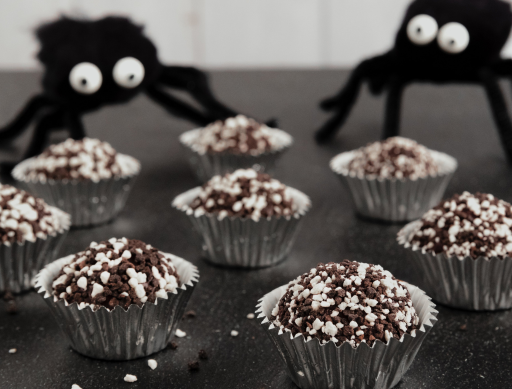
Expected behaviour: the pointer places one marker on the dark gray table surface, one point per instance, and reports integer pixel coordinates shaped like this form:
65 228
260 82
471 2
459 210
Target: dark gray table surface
453 119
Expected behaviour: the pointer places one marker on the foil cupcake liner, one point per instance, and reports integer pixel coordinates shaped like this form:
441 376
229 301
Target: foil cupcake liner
395 200
208 165
312 365
482 284
89 203
238 242
20 262
119 334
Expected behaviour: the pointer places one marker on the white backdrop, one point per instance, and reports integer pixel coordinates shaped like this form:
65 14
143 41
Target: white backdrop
225 33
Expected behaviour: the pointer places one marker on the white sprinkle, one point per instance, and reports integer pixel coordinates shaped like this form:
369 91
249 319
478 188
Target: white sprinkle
152 364
234 333
180 334
75 386
130 378
250 315
12 351
96 289
105 276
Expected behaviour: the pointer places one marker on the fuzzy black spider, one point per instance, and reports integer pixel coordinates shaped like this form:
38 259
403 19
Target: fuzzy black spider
89 64
440 41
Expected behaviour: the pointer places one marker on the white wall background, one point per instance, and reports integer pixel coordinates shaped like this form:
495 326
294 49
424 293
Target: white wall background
225 33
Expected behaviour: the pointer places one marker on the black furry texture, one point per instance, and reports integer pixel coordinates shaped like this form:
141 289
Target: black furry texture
488 22
68 42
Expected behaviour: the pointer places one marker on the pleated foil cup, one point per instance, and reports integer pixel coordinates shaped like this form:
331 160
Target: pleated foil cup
208 165
395 200
314 366
238 242
20 262
89 203
119 334
482 284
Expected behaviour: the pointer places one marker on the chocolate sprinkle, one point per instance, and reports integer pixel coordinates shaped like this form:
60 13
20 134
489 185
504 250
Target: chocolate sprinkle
85 159
466 225
117 272
24 217
193 366
202 354
245 194
240 136
347 302
393 158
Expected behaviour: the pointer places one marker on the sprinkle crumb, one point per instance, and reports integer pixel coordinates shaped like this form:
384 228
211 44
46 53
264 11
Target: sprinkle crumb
152 364
234 333
193 366
130 378
180 333
250 316
12 351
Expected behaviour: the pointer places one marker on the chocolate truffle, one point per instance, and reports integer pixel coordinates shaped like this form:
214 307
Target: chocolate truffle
238 135
393 158
25 218
86 159
346 302
116 272
245 194
466 225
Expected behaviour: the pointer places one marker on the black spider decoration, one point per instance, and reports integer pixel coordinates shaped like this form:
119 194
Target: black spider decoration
440 41
89 64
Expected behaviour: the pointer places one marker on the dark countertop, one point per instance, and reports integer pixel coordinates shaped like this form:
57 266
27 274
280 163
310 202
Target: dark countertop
453 119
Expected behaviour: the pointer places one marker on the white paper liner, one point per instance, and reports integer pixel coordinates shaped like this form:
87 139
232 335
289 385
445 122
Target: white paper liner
89 203
208 165
467 283
238 242
312 365
119 334
395 200
20 262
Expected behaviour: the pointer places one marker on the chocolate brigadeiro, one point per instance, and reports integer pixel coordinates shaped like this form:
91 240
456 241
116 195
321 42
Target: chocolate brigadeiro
466 225
346 302
85 159
240 136
116 272
244 193
24 217
393 158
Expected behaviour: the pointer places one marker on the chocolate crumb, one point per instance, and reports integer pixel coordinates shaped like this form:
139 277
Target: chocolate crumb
172 345
190 314
463 328
12 308
193 366
202 354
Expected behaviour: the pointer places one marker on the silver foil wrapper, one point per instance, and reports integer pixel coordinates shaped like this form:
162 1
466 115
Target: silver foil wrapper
312 365
208 165
238 242
395 200
467 283
119 334
20 262
89 203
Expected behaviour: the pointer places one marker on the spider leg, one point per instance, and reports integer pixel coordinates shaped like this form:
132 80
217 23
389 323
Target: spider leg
49 122
177 107
499 109
23 119
393 107
196 83
73 122
345 99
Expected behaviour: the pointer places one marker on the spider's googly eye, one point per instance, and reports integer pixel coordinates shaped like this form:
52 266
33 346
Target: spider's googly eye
422 29
85 78
128 72
453 38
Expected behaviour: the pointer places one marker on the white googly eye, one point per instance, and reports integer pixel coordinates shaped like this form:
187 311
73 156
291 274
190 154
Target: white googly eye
85 78
422 29
453 38
128 72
